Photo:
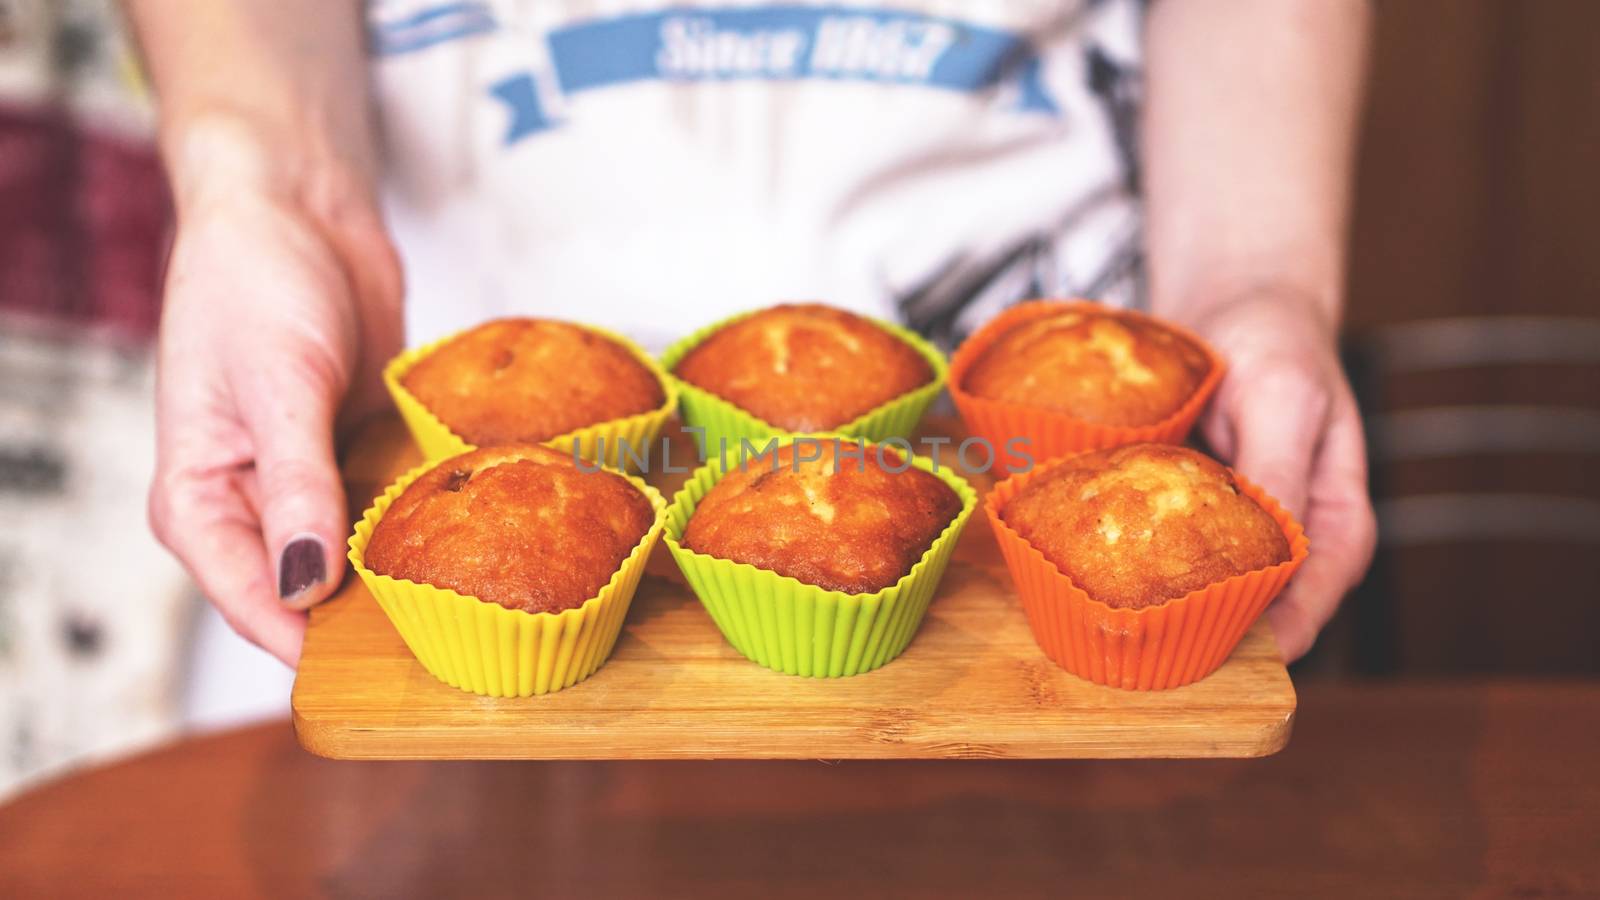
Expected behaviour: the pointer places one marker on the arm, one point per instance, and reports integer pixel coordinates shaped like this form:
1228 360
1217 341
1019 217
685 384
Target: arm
1248 136
282 296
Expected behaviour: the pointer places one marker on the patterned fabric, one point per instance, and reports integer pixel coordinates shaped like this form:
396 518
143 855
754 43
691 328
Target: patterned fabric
85 211
92 611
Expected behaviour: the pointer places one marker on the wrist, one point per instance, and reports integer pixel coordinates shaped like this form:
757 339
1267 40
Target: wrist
219 155
1309 302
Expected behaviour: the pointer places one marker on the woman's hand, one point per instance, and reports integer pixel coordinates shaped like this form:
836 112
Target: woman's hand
1247 144
282 301
1284 416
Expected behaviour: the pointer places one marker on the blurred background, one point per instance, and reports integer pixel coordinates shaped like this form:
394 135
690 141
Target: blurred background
1472 334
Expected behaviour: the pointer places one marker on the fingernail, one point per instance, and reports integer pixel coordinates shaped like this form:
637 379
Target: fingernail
303 564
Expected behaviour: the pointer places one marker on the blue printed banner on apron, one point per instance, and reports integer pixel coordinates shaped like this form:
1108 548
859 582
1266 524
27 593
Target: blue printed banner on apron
780 42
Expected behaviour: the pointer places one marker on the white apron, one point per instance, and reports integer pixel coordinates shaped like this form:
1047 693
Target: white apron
651 167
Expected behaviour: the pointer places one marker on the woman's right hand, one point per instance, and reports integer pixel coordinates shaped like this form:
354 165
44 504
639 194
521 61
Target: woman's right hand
282 302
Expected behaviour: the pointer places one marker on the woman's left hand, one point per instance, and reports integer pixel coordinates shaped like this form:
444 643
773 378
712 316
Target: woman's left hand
1286 419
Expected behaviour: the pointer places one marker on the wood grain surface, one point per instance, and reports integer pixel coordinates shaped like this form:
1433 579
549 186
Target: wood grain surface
1388 790
972 684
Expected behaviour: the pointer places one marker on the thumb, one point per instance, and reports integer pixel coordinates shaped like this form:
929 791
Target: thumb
301 496
1276 429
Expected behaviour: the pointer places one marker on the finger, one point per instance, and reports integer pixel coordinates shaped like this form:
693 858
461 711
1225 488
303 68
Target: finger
1343 533
1277 424
376 277
251 608
1294 626
204 521
301 497
373 271
1217 429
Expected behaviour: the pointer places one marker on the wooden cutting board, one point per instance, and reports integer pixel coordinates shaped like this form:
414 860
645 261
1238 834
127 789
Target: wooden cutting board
972 684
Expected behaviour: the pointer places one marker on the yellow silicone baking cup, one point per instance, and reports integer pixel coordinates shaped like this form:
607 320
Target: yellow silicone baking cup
801 629
485 648
724 421
638 432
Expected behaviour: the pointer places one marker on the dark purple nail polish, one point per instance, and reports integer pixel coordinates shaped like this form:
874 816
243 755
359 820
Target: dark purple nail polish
302 565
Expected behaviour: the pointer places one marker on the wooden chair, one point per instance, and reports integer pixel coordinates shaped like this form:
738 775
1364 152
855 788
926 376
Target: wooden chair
1484 434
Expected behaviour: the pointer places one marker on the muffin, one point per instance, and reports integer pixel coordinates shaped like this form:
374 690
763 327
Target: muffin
805 367
834 522
1140 525
1107 367
521 526
521 380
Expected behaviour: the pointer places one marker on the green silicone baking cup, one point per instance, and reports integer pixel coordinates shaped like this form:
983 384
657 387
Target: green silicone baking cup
801 629
723 421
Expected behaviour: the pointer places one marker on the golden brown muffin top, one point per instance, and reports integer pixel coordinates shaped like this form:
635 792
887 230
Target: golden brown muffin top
1140 525
528 380
849 527
521 526
805 367
1099 365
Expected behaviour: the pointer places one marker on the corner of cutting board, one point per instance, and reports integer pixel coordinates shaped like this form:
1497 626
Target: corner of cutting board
1275 735
317 738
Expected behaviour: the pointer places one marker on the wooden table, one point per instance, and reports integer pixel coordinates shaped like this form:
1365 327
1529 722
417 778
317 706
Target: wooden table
1415 790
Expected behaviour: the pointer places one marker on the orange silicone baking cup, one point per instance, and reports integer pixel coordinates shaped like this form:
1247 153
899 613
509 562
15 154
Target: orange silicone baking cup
1154 648
1054 434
